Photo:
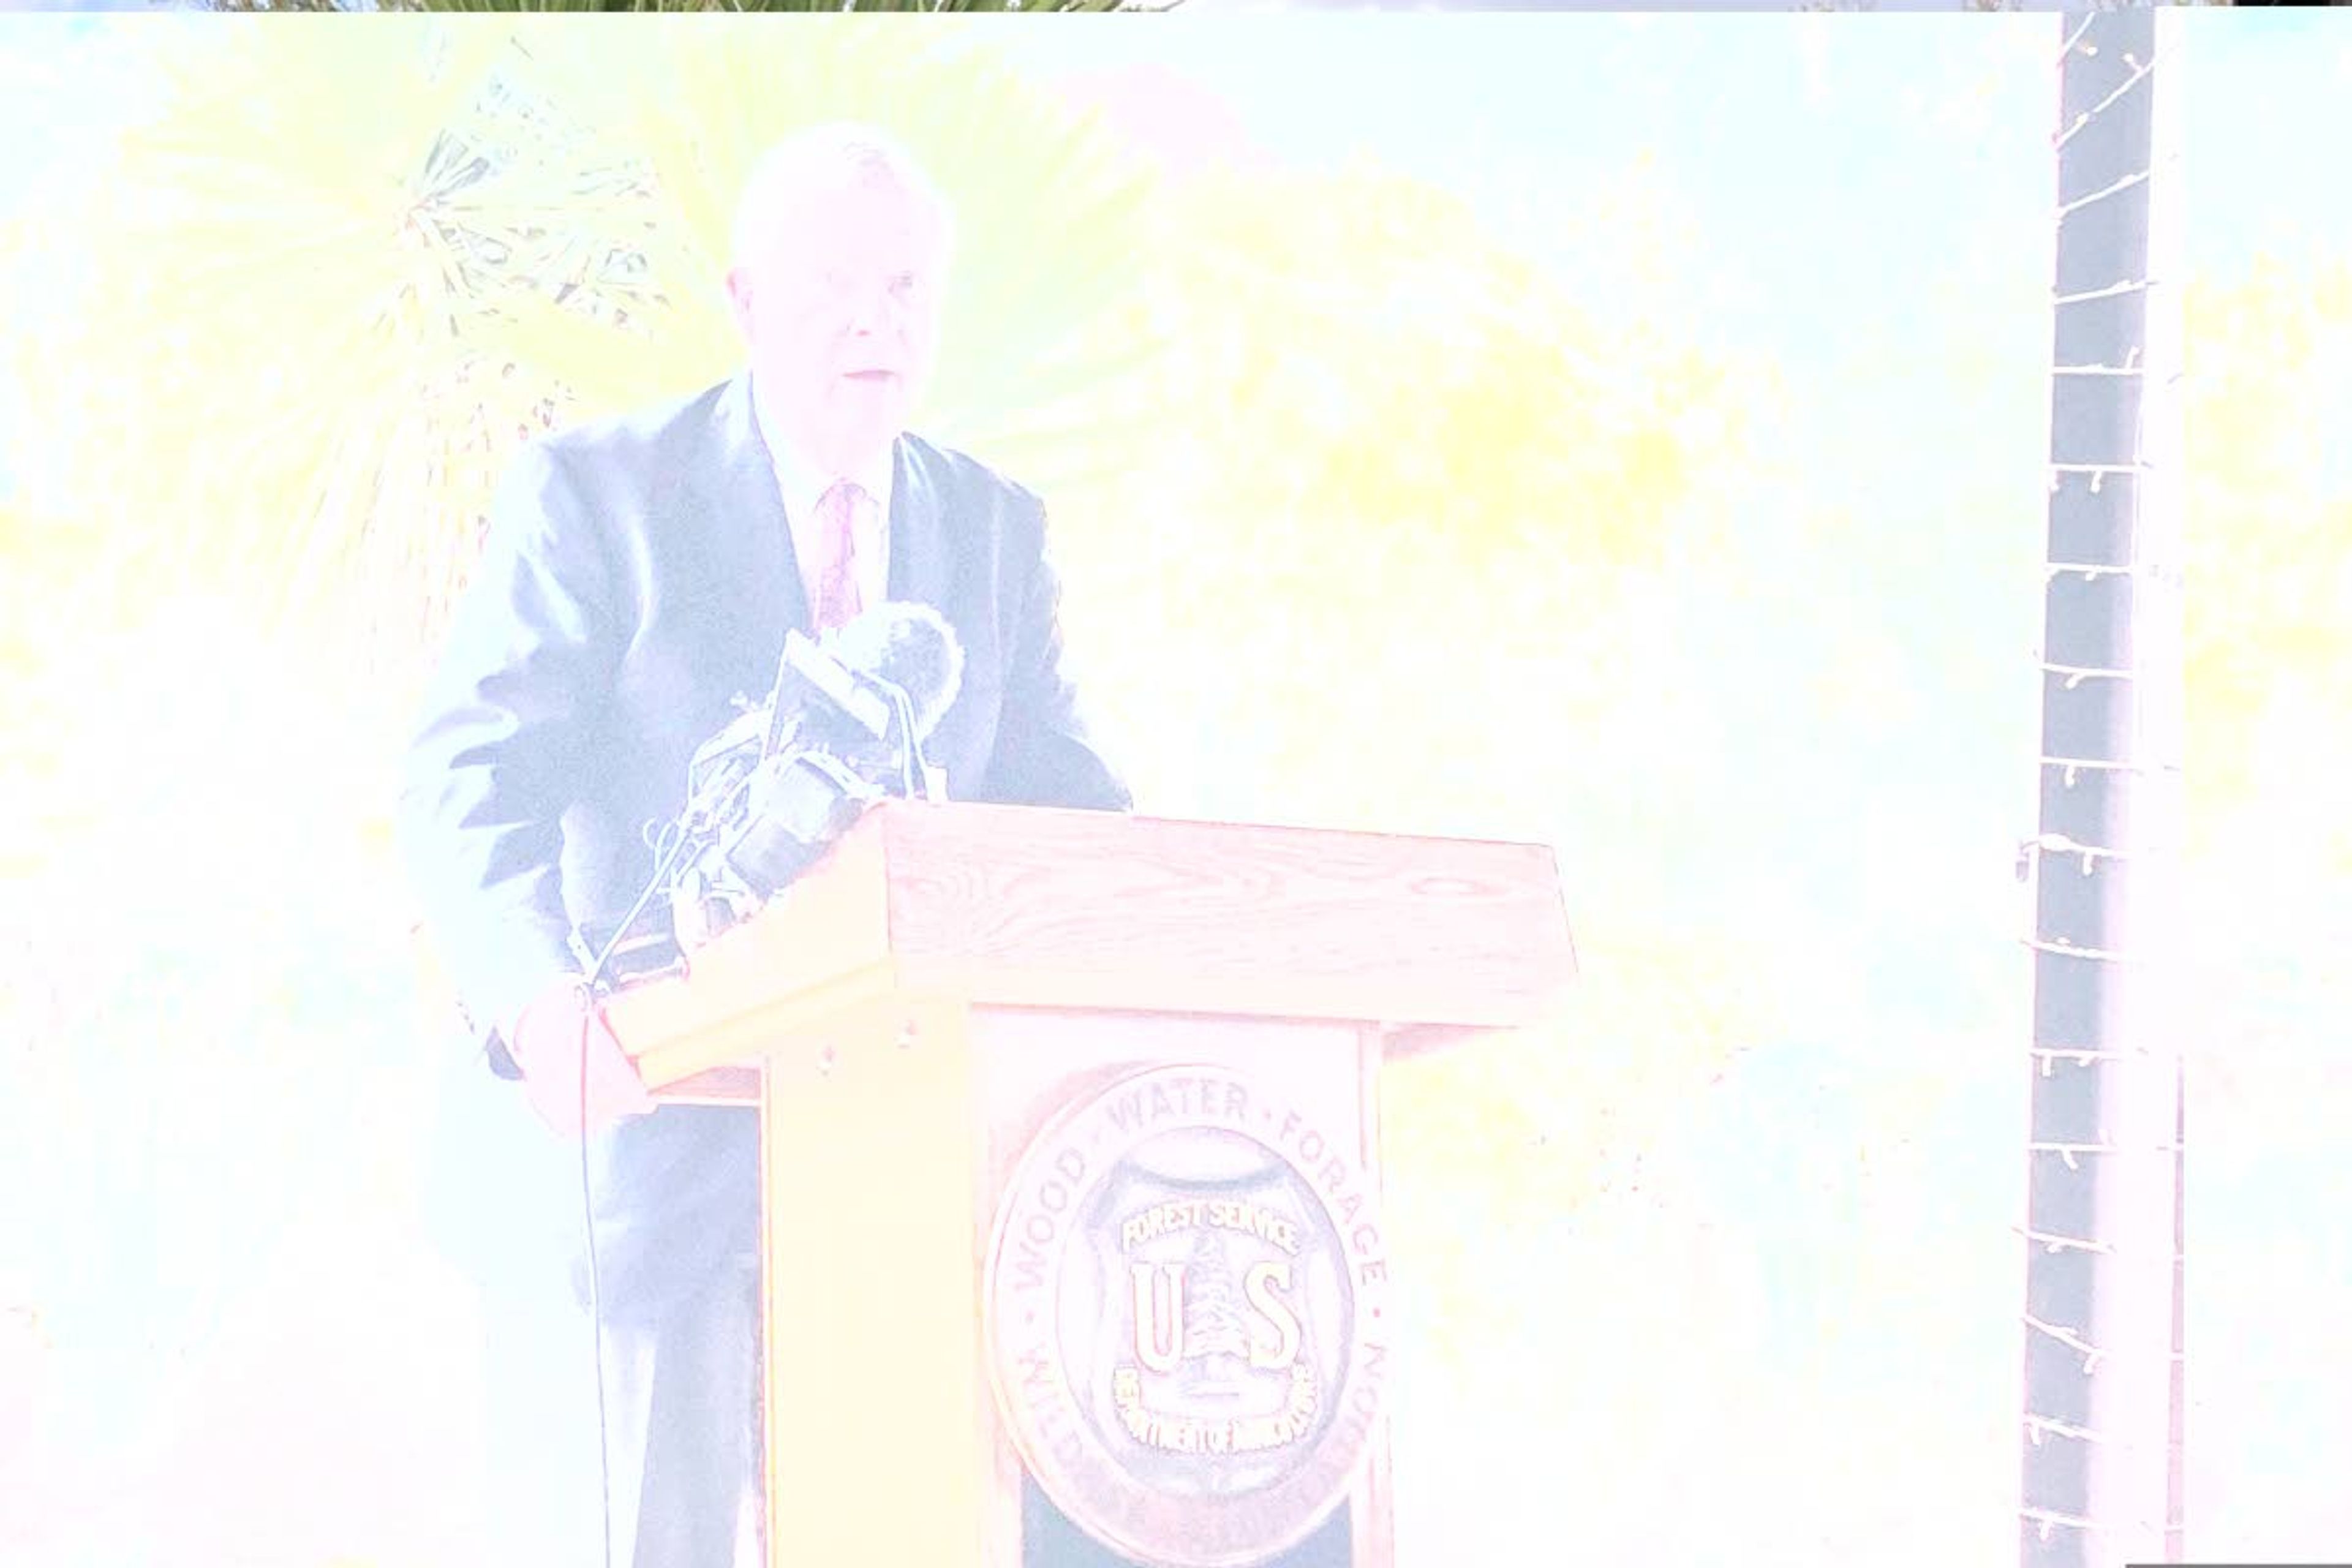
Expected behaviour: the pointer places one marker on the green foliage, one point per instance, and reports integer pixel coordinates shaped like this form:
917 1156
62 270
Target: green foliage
2270 563
1369 518
1376 414
397 250
325 287
1014 379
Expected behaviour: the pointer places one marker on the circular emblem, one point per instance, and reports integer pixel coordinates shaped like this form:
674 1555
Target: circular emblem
1185 1317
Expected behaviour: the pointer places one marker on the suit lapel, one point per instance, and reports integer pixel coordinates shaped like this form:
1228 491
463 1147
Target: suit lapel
745 502
918 555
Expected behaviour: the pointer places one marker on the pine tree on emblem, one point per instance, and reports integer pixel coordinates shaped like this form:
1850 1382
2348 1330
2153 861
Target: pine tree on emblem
1216 1334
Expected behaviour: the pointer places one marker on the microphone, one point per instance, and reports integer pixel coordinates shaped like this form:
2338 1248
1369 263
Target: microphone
908 656
842 727
890 676
868 694
910 646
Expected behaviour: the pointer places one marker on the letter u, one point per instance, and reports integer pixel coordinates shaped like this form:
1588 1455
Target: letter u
1159 1315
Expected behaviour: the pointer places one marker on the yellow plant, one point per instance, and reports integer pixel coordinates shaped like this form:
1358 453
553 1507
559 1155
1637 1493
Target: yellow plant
2269 587
339 275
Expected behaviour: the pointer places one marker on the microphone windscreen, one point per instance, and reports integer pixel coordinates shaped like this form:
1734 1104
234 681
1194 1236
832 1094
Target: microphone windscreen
912 646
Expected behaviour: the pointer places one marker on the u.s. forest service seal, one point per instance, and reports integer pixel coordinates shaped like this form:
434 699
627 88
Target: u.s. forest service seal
1185 1317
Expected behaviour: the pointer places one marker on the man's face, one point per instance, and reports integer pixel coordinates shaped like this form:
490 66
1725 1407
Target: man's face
840 309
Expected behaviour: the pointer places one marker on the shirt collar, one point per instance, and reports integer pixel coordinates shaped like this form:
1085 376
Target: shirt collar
804 483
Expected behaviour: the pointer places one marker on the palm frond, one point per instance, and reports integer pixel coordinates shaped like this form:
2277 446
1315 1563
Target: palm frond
348 270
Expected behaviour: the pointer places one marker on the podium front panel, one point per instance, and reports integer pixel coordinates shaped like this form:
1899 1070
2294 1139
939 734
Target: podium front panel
1184 1290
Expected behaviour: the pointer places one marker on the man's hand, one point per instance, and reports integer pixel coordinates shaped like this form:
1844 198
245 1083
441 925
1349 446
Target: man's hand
547 1044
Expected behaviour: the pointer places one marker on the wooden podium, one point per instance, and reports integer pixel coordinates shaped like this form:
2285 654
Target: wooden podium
1037 1090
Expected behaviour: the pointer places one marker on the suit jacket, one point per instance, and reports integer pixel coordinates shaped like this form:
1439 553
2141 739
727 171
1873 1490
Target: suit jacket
639 576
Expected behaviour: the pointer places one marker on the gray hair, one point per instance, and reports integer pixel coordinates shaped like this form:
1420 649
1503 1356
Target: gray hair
825 158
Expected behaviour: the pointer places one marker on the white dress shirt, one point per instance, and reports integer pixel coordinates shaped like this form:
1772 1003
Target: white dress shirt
803 484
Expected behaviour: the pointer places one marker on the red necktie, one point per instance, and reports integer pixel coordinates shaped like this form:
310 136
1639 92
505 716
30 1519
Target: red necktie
837 566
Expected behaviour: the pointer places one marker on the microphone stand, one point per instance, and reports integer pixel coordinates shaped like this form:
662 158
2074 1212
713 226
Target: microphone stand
697 831
905 749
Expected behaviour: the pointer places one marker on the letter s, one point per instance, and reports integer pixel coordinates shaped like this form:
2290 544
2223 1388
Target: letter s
1260 1284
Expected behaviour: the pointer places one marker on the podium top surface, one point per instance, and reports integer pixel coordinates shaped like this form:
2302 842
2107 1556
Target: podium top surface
1020 906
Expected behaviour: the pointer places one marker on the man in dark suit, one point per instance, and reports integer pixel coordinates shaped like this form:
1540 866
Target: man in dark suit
641 573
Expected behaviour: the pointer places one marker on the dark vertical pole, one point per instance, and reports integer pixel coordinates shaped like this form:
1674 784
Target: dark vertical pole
2100 1474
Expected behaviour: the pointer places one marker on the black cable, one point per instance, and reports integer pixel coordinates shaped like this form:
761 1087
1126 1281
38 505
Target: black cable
680 837
596 1291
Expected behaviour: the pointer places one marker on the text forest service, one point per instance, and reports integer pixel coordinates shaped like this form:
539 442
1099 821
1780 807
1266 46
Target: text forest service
1186 1317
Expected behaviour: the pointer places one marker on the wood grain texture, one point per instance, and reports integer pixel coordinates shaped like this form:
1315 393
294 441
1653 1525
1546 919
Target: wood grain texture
751 1035
823 942
1027 906
735 1084
909 1014
1016 906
